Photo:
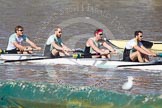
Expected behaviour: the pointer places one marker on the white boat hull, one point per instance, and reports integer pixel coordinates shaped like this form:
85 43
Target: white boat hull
82 61
101 63
18 56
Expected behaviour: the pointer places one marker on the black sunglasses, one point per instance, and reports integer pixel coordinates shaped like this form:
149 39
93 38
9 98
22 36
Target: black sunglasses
101 34
20 30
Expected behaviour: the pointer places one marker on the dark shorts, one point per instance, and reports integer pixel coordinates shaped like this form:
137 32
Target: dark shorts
87 53
48 53
13 51
127 59
126 55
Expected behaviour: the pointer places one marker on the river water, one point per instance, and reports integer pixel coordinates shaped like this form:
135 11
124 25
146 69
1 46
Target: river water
58 86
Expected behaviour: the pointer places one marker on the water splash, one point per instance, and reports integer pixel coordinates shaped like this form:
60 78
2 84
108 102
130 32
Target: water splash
45 95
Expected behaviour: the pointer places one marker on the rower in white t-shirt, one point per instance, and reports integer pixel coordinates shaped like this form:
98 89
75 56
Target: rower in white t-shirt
135 51
15 42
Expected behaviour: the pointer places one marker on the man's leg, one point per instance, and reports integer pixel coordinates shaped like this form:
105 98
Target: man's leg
14 51
107 55
146 58
136 55
59 53
55 52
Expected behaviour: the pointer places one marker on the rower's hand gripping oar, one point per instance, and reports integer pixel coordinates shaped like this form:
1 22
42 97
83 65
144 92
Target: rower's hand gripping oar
31 49
78 50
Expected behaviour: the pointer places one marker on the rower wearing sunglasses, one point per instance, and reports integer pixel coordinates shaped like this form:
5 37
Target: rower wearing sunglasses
93 46
15 44
54 45
135 51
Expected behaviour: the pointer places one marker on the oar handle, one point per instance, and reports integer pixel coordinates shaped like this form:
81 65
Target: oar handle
78 50
83 55
31 49
77 55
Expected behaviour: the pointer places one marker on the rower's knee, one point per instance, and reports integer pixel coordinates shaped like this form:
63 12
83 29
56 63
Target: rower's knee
55 52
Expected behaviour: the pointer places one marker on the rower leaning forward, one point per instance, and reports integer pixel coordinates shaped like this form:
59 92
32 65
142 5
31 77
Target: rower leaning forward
97 47
135 50
54 46
15 42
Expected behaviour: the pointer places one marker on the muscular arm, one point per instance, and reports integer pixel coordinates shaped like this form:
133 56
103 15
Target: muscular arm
65 47
141 50
57 46
91 44
20 47
148 51
32 44
108 47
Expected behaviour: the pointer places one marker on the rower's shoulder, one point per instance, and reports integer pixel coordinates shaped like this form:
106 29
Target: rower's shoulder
91 39
132 41
13 35
51 36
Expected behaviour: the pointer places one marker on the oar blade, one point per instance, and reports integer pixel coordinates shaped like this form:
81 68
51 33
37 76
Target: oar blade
147 44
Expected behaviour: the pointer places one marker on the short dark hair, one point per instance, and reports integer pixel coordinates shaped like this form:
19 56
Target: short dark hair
137 32
18 27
